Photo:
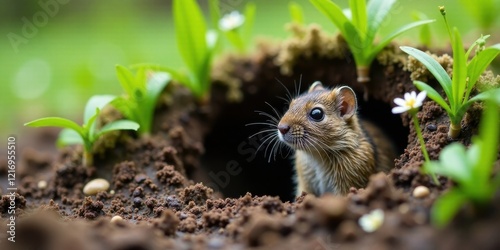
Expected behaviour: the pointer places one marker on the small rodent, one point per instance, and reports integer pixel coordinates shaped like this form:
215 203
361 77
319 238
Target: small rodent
334 149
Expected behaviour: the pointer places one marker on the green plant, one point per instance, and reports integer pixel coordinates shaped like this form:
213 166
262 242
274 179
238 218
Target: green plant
360 28
425 31
237 27
471 168
296 12
465 76
196 44
87 133
411 103
142 92
485 12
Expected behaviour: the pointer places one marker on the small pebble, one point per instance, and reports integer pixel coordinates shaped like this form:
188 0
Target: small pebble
112 192
140 178
42 184
431 127
95 186
137 201
116 219
421 192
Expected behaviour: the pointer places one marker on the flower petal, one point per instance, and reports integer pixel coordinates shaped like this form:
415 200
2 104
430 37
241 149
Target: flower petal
421 97
399 109
407 96
399 101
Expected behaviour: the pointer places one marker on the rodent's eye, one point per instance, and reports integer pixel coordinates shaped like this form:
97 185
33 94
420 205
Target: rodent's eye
317 114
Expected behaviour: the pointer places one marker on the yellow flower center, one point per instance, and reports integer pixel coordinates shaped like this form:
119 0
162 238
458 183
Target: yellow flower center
410 103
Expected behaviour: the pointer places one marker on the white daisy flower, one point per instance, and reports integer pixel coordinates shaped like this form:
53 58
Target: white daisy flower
372 221
231 21
411 101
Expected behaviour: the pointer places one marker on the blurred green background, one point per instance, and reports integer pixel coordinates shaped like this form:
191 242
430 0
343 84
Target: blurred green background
68 53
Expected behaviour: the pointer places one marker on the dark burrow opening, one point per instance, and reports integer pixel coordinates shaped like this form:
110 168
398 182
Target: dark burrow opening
233 164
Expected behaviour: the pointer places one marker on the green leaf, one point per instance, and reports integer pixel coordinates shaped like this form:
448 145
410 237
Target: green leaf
333 12
479 63
296 13
126 80
247 28
489 134
69 137
386 40
235 39
425 31
214 13
126 107
359 16
56 122
95 102
175 74
433 94
118 125
90 127
190 31
154 88
453 163
377 11
446 207
434 67
459 71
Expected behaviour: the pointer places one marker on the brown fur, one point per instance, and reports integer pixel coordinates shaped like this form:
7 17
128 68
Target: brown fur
334 154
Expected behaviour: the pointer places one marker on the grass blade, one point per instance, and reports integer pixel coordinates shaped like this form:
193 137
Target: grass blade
459 71
359 17
446 207
433 94
247 28
155 86
213 6
377 12
190 31
334 13
386 40
126 79
296 12
489 135
434 67
479 63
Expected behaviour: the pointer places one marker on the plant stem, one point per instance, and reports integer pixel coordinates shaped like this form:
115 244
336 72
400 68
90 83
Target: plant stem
363 73
422 145
87 159
454 130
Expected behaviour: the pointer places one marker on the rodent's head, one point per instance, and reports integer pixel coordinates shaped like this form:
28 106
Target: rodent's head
320 119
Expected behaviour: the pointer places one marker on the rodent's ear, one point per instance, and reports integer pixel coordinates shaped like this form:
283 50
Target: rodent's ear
317 85
347 102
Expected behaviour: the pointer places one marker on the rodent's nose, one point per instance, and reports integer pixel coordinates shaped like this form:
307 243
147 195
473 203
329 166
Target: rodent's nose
283 128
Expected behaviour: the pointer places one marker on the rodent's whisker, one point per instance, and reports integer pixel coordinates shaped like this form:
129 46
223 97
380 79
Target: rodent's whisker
265 139
275 111
263 131
261 123
275 119
288 94
273 150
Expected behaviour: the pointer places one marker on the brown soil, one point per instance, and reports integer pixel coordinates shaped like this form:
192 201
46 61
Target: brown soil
156 180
